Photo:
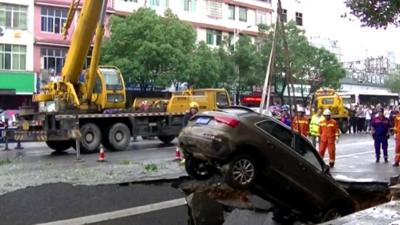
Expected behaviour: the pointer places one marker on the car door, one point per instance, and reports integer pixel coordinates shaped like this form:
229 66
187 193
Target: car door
313 181
286 164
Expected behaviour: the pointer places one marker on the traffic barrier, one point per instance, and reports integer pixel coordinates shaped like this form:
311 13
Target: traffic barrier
102 155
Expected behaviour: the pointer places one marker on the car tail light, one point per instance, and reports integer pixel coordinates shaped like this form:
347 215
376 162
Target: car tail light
232 122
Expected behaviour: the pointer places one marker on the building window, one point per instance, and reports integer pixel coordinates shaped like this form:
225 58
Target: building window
13 16
299 19
12 57
53 19
242 14
214 9
214 37
231 12
261 17
131 1
155 2
53 58
284 15
189 5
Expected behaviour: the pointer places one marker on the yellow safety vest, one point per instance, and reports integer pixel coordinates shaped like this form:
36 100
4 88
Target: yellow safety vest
314 124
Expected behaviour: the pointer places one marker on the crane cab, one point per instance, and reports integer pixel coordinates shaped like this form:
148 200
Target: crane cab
109 89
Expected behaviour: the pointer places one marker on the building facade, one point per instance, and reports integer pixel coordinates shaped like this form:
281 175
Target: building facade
32 48
17 77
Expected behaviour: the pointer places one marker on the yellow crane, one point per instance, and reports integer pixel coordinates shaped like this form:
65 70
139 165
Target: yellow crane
98 103
103 87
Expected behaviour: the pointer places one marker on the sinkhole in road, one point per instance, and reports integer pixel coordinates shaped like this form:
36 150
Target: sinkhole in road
213 202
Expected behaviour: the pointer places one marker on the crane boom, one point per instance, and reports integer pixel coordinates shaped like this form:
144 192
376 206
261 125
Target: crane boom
81 40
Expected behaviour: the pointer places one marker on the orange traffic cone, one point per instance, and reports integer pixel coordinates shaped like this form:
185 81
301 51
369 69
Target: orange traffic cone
102 155
178 155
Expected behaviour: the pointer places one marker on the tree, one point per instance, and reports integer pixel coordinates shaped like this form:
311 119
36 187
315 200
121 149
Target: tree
310 65
149 49
376 13
204 67
247 61
393 83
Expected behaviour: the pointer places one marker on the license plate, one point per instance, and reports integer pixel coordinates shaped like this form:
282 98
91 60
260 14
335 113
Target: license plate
25 125
203 120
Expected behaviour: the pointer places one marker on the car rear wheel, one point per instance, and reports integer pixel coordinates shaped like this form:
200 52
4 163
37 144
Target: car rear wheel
242 172
198 169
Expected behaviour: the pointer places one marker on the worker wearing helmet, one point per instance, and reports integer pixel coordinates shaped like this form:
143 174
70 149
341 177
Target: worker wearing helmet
300 123
314 126
328 134
380 133
194 108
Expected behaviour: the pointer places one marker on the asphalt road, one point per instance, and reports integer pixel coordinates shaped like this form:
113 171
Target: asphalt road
59 201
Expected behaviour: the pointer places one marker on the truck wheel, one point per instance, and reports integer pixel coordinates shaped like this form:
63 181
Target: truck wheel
166 139
119 137
91 138
343 126
59 146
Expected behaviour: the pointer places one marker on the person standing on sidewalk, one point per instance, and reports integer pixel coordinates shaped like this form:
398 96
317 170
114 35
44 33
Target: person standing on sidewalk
380 133
396 130
329 136
314 126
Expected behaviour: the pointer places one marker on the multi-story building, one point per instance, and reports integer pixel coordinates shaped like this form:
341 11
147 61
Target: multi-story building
50 47
214 20
17 77
32 48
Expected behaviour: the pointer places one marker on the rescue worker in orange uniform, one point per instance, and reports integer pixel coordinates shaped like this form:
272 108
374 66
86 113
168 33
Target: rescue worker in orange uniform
328 137
396 129
300 123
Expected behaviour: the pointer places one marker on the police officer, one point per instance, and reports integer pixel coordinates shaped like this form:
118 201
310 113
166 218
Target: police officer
380 133
285 118
396 130
300 123
328 134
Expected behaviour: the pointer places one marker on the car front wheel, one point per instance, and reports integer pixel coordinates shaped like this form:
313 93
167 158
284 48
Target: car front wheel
242 172
198 169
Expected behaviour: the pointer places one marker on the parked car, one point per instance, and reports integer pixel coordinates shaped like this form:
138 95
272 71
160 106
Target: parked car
259 153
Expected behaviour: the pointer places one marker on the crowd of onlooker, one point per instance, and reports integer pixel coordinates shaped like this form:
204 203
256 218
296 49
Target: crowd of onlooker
360 117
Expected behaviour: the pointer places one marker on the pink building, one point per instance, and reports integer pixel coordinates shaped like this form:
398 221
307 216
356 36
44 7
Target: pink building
49 46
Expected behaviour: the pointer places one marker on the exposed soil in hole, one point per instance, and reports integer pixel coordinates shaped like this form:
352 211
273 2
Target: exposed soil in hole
364 195
367 195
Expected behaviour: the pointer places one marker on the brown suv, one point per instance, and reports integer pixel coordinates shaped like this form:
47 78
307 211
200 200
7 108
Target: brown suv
259 153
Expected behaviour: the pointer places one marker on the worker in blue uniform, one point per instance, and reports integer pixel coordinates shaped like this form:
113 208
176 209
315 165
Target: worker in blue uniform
380 133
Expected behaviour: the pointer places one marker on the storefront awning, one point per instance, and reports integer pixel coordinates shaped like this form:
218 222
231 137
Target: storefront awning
17 82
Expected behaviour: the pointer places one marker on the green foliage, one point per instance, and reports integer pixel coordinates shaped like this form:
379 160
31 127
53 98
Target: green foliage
376 13
309 65
151 168
393 83
4 162
204 67
248 62
149 49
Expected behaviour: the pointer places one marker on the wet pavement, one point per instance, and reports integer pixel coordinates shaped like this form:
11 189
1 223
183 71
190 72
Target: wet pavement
35 167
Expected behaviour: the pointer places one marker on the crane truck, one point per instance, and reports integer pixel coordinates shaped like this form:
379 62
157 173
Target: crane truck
96 107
